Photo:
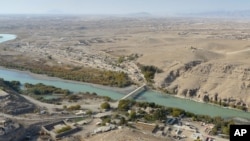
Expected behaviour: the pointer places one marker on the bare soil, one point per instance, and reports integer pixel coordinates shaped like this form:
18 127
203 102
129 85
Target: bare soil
201 58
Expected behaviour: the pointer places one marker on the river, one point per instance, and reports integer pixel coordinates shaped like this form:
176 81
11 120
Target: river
150 96
7 37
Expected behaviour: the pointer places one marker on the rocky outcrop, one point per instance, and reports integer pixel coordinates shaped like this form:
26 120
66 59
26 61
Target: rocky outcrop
189 92
175 73
210 82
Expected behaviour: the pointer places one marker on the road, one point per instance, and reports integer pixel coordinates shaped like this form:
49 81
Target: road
50 107
92 105
38 118
239 51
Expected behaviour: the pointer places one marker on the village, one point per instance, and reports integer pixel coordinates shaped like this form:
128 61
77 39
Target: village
106 120
199 60
65 123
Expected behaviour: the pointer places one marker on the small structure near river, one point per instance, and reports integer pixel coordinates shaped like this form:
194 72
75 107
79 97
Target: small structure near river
59 129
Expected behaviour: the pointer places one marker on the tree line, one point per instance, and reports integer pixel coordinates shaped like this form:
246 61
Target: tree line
41 89
149 71
83 74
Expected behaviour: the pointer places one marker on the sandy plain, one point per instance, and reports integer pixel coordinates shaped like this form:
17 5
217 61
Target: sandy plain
200 58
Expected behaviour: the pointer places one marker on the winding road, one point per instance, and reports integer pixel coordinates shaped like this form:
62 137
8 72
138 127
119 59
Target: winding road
38 118
239 51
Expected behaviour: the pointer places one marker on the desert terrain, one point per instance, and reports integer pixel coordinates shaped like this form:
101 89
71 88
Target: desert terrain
124 135
205 59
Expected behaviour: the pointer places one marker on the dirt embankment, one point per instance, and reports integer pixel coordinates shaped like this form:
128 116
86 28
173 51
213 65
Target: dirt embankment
219 82
124 135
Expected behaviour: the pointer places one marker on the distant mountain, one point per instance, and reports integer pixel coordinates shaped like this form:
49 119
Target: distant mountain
140 14
222 14
54 11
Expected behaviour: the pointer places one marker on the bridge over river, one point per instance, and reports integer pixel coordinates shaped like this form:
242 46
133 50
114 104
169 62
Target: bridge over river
135 92
148 96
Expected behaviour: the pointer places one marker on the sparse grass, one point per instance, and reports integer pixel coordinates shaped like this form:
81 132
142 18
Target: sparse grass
63 129
78 119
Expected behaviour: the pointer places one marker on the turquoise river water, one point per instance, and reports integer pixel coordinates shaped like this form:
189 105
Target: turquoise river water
150 96
7 37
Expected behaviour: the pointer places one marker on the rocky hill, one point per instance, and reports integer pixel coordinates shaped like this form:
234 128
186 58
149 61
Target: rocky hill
224 80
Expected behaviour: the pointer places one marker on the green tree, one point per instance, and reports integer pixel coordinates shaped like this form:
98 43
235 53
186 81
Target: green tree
132 115
214 131
121 59
198 139
176 112
89 112
105 105
124 105
159 114
225 130
149 72
122 121
74 107
63 129
64 106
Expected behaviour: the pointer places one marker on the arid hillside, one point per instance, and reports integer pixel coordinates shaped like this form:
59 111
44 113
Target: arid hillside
124 135
206 59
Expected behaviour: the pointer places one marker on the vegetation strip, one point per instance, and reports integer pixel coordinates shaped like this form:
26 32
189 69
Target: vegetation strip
83 74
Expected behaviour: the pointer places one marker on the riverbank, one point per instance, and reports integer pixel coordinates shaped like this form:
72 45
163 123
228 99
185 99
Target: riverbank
148 96
124 90
200 101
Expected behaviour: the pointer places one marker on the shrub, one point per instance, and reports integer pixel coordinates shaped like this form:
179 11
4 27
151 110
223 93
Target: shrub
63 129
105 105
149 72
74 107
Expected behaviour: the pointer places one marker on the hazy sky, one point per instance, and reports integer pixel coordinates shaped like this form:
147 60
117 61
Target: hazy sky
119 6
